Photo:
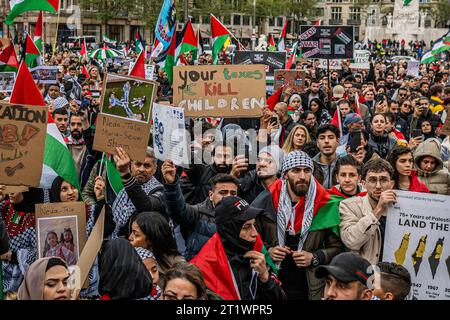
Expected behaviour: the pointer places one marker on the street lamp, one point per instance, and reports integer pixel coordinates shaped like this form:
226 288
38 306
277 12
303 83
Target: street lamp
254 26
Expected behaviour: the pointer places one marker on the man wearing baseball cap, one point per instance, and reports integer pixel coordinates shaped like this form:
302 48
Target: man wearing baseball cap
305 228
348 277
232 260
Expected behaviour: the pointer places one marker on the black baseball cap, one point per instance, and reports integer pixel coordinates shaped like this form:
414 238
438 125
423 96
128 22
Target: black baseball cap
346 267
235 208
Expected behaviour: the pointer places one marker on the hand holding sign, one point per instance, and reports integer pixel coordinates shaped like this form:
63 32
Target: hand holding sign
169 171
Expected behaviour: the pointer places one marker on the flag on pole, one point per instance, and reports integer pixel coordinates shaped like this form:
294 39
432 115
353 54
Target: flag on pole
165 25
446 39
138 43
139 66
188 44
158 47
282 39
170 59
83 52
428 57
199 43
32 54
272 46
38 34
109 42
439 47
20 6
220 37
84 71
8 59
25 90
274 99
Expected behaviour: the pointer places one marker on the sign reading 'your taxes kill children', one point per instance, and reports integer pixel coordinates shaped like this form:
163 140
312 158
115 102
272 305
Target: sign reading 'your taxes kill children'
220 91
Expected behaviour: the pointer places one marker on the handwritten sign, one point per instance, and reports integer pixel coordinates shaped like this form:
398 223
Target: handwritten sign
220 91
413 68
417 237
335 64
169 137
124 120
22 144
112 132
290 79
360 60
61 229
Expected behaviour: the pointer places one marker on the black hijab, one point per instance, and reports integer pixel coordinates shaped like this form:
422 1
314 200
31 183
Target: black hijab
55 190
229 234
123 275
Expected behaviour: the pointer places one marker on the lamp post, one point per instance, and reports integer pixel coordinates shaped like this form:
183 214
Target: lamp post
254 26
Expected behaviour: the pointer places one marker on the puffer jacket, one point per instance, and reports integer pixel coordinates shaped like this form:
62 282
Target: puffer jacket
437 181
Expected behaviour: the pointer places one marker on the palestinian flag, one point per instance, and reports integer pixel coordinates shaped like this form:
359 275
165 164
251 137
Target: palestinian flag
38 34
282 39
20 6
213 262
220 38
274 99
446 39
8 59
199 43
138 43
83 52
439 47
292 57
139 67
428 57
406 2
336 192
25 90
189 44
170 58
32 54
84 71
326 209
272 46
113 179
109 42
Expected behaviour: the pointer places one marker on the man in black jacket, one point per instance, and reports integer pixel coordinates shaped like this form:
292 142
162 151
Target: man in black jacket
313 92
196 183
281 110
142 192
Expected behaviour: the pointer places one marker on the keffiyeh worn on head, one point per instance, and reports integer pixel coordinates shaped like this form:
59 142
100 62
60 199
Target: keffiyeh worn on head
145 254
286 213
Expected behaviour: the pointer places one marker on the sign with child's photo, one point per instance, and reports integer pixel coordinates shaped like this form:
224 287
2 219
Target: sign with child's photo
125 113
61 230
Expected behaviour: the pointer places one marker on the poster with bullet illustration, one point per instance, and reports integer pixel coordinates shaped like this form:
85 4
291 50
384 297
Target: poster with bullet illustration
418 237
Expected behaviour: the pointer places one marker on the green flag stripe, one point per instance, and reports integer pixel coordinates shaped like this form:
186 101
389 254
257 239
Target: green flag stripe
217 47
328 216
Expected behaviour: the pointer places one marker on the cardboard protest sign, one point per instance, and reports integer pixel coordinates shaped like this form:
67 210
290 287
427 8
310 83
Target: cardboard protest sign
7 80
226 91
445 130
413 68
15 189
327 42
61 230
22 143
90 251
149 71
45 74
334 64
417 237
361 60
289 79
124 120
169 137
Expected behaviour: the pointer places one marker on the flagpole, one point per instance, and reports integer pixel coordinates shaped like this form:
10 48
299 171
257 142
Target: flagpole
56 37
101 164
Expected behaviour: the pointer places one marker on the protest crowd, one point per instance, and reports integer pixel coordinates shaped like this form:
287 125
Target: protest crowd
288 204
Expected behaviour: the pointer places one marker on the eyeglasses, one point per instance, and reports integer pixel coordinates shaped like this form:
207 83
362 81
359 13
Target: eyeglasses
382 180
402 94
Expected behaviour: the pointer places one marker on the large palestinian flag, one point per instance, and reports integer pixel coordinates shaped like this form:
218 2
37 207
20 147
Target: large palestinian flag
212 261
20 6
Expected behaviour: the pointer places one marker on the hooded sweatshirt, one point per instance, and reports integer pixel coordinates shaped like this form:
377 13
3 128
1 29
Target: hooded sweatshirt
437 181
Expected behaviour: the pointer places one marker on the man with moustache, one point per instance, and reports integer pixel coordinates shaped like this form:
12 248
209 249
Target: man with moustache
80 142
295 202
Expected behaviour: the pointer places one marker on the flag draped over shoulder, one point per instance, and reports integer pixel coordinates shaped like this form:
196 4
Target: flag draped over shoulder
20 6
8 59
326 209
213 262
220 37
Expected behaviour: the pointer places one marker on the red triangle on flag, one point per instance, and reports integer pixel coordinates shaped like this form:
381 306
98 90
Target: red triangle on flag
274 99
25 90
31 47
38 31
8 56
217 28
85 72
139 67
54 4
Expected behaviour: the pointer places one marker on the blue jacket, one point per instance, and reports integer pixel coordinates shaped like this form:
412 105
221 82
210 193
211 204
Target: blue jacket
196 222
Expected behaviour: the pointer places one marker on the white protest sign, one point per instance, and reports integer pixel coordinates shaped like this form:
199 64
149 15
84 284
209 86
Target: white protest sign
149 71
169 136
413 68
418 237
361 59
335 64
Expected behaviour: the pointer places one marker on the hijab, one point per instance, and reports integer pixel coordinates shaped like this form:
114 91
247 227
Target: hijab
32 287
123 275
55 190
229 234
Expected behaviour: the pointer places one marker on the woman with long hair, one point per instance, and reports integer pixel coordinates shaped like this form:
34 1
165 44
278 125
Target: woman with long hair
402 161
318 108
296 139
151 231
379 139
